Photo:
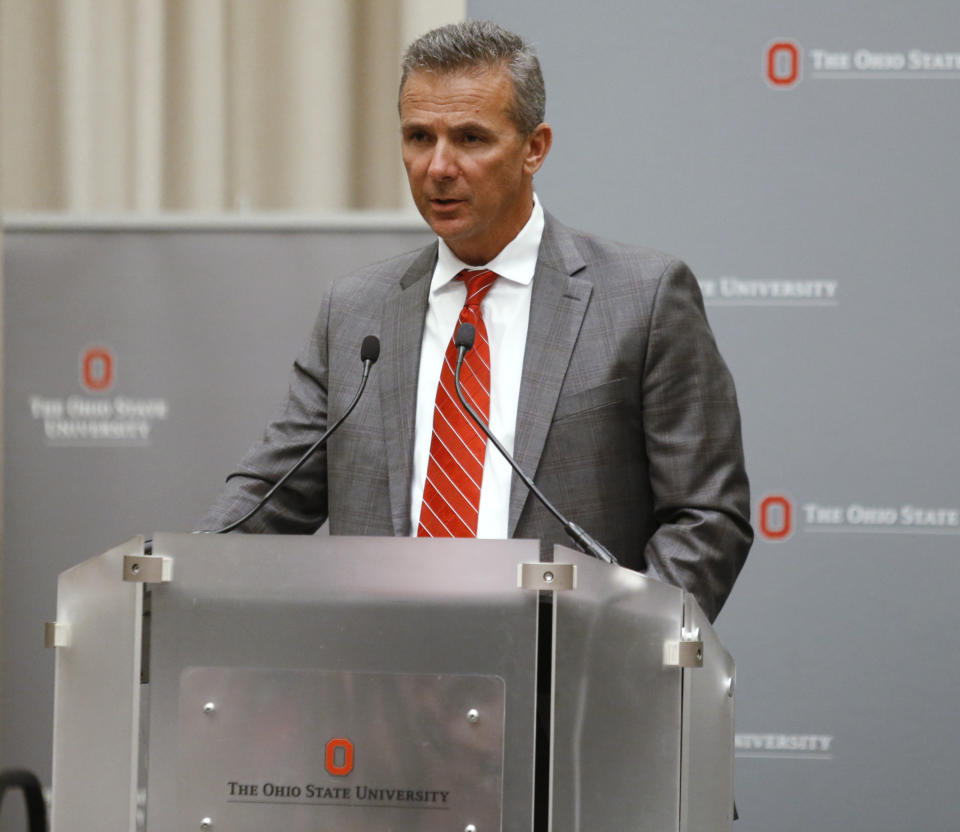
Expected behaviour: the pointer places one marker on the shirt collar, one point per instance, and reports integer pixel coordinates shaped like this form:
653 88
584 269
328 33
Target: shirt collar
517 261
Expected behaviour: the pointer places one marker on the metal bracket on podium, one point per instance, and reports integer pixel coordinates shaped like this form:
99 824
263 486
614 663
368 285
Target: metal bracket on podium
56 634
551 577
687 652
147 569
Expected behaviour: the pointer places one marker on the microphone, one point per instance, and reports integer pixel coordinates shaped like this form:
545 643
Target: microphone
369 353
463 340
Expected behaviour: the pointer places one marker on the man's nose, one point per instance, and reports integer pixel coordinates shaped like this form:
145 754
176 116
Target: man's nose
443 163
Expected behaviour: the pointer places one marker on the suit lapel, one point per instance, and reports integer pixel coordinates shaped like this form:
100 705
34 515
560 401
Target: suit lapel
557 307
402 332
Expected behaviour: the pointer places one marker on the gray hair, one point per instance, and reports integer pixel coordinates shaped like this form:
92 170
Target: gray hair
475 43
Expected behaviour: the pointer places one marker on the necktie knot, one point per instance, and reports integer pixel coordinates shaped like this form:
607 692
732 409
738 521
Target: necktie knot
478 282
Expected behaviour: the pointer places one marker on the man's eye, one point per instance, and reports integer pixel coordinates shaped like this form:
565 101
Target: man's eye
472 138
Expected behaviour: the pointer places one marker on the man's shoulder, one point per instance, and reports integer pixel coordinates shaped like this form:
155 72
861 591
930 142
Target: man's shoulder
389 274
561 242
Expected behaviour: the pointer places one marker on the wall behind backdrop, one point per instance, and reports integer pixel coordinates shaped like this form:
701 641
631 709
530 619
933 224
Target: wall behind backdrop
204 105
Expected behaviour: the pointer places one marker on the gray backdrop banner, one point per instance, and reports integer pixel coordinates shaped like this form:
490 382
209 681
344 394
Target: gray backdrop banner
802 157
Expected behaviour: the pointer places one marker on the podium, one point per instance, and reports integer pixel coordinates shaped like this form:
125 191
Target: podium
255 682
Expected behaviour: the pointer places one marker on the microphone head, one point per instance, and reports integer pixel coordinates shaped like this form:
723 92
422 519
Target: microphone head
465 336
370 349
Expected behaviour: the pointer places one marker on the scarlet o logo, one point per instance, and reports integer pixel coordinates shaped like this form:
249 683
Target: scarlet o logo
344 746
97 369
776 517
783 64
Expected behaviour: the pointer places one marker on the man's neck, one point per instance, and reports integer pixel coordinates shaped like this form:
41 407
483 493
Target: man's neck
511 261
479 254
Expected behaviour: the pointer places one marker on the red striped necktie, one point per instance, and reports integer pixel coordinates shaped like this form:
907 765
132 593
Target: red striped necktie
451 495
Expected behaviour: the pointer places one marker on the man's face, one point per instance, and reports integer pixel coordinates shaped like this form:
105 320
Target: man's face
470 170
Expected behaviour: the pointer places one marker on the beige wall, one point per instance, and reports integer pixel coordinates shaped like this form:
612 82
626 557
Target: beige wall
110 106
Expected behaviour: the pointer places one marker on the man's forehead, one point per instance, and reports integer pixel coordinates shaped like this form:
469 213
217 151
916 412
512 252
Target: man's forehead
472 84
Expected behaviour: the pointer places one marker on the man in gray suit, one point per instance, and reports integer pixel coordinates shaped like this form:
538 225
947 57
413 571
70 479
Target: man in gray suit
606 382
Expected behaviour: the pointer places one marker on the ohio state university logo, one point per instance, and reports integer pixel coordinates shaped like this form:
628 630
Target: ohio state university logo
783 64
97 369
775 517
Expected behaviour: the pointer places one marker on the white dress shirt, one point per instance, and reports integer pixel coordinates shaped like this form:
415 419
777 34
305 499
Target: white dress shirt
506 313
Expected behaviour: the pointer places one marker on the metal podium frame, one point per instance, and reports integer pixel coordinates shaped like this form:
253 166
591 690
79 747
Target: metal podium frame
244 682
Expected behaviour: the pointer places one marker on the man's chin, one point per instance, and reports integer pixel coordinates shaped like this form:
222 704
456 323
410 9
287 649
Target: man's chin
449 228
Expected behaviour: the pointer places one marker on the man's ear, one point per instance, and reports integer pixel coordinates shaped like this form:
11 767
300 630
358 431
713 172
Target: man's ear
538 146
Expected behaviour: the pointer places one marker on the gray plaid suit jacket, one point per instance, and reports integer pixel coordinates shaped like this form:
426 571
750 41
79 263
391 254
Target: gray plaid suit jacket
627 418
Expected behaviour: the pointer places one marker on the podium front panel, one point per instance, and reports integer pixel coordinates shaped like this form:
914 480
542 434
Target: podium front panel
361 683
437 743
617 708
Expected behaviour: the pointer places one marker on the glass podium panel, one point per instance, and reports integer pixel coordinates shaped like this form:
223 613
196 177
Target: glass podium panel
341 683
708 725
617 708
96 703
